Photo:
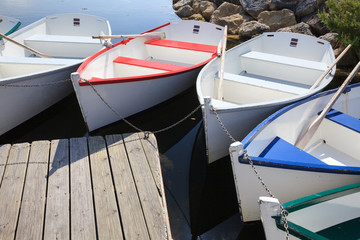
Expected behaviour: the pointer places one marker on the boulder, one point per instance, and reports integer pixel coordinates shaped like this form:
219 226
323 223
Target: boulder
185 11
233 22
305 7
277 19
196 16
281 4
252 28
207 9
254 7
298 28
226 9
182 3
316 25
331 38
230 14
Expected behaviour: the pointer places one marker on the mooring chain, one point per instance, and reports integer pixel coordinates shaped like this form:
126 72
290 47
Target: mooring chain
132 125
34 85
283 212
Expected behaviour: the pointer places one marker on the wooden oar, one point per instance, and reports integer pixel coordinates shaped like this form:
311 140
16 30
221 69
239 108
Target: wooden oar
26 47
221 77
330 67
304 140
129 35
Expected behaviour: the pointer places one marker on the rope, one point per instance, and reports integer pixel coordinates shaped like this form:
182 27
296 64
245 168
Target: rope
146 133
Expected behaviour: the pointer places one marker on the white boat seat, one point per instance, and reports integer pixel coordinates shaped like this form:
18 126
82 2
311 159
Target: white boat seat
285 60
61 39
267 82
38 61
183 45
148 64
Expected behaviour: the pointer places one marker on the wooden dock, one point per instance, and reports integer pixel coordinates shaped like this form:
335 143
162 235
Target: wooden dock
83 188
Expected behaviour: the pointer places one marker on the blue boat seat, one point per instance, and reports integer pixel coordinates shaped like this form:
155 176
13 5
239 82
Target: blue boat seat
282 150
344 120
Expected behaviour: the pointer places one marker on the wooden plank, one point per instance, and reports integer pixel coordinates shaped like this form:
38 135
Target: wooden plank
149 195
4 154
57 217
11 189
30 224
132 217
152 155
82 208
106 210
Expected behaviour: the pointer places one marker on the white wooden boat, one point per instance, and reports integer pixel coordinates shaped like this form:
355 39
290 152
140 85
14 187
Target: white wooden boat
29 84
330 159
8 24
143 71
333 214
260 76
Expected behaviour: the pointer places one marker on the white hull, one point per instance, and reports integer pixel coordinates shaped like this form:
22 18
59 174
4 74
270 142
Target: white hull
139 73
336 148
8 24
260 76
45 81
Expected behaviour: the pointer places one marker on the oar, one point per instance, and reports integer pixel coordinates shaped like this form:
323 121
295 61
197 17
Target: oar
304 140
129 35
330 67
26 47
221 77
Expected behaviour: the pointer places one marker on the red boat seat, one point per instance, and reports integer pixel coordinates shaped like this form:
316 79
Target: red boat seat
148 64
182 45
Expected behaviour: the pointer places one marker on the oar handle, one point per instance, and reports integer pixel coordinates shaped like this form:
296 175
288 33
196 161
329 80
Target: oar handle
330 67
305 139
222 65
26 47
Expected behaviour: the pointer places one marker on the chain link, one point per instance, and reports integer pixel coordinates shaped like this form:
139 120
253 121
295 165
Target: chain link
283 212
132 125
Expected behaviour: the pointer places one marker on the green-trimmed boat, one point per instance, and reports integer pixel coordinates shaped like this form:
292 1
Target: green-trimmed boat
332 214
8 25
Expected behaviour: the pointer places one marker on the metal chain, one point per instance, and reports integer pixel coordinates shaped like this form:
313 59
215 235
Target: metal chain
34 85
283 212
132 125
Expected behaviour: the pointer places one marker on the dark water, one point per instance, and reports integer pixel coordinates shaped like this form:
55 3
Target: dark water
201 198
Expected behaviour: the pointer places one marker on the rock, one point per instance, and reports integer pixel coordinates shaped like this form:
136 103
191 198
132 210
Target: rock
281 4
305 7
252 28
185 11
233 22
226 9
277 19
182 3
231 15
298 28
316 25
196 16
254 7
207 9
331 38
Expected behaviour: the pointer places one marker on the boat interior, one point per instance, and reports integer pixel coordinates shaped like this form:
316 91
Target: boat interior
289 77
329 146
161 56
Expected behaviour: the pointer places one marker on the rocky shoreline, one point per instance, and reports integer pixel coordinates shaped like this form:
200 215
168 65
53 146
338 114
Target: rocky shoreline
248 18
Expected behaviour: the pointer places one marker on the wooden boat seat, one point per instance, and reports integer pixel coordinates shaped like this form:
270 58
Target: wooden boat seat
344 120
182 45
260 56
148 64
267 82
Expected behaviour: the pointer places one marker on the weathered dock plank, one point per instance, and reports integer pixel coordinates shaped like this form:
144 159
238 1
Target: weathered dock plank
107 214
82 207
83 188
11 189
32 209
132 216
57 217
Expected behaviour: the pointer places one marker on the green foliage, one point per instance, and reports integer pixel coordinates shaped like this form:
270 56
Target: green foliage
343 17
